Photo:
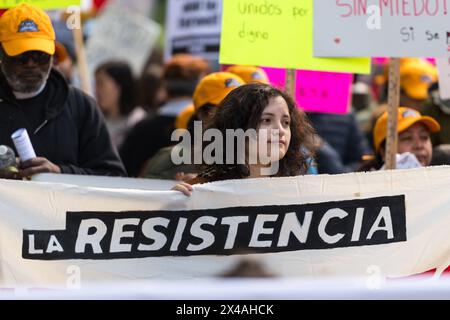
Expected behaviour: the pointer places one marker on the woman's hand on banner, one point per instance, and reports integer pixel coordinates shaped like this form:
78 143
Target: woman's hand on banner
184 188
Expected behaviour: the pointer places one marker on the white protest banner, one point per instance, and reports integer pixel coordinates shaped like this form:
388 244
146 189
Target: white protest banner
120 34
443 65
193 26
312 226
105 181
381 28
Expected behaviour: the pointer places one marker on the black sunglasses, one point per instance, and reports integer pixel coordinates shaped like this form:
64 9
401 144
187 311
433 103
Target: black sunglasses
38 57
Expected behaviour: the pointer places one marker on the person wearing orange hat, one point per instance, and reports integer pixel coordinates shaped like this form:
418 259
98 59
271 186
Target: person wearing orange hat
65 127
210 91
26 34
416 77
250 73
414 146
207 95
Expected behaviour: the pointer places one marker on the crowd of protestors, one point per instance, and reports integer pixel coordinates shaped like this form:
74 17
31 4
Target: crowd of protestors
128 128
131 127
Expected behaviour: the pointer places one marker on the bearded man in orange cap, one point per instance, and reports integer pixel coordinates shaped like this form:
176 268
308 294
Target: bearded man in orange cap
64 125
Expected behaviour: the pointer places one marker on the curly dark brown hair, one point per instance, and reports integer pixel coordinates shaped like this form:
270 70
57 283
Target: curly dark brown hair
242 109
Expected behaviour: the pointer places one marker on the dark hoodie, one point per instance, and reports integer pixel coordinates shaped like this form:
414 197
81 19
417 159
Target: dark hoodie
72 133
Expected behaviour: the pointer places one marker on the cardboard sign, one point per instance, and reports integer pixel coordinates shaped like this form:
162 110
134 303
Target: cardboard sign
277 34
193 26
381 28
316 91
118 36
44 4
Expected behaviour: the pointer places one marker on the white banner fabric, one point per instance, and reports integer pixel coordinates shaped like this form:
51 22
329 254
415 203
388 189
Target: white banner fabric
393 222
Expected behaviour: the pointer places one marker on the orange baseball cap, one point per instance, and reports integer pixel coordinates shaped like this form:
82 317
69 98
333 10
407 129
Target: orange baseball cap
215 87
249 73
26 28
406 118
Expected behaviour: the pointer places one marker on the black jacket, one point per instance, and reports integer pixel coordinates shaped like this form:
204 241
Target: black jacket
73 134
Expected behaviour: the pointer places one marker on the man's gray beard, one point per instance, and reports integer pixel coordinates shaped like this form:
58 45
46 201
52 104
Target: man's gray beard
18 86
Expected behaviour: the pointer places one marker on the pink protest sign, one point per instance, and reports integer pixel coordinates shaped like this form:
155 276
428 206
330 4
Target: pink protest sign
325 92
276 76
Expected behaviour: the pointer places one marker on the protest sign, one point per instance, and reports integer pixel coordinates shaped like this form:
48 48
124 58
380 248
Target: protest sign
381 28
317 91
324 91
276 34
306 226
118 36
193 26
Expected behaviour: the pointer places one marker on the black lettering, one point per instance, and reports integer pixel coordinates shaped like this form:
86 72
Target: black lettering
265 9
192 6
140 234
407 34
299 12
252 35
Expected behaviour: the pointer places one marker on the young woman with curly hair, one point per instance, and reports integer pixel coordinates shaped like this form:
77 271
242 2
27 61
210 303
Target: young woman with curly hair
263 108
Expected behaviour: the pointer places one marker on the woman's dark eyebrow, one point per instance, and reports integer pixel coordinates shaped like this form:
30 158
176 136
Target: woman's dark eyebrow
271 114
